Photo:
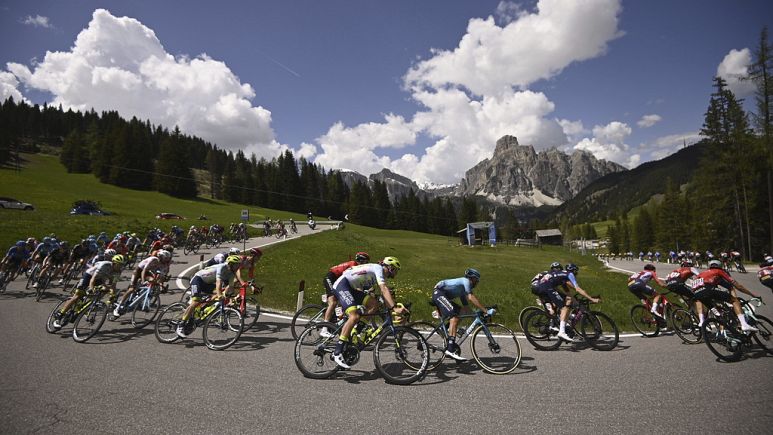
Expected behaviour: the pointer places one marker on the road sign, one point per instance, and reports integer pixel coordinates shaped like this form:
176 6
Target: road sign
245 215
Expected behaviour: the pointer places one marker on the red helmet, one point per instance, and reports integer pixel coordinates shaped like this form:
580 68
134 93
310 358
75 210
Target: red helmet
361 257
256 252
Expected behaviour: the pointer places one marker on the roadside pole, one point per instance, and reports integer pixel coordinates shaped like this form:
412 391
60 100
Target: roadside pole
245 218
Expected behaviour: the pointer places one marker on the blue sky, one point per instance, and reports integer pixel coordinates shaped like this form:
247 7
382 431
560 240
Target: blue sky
421 87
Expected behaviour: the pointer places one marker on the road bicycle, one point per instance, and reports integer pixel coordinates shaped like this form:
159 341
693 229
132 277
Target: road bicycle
647 323
723 334
87 315
307 315
493 346
144 303
593 327
400 353
221 325
247 304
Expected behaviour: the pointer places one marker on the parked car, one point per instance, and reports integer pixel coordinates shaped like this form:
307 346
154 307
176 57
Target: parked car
90 208
6 202
169 216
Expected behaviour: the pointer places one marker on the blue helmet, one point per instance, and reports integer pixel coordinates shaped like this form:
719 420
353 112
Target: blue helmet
21 244
472 273
571 267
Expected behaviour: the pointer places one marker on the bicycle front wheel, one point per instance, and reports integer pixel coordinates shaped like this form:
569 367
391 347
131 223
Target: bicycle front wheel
89 321
303 318
251 314
686 325
495 348
314 354
401 358
600 331
222 328
722 340
167 322
50 328
145 311
524 314
763 336
436 342
541 330
644 321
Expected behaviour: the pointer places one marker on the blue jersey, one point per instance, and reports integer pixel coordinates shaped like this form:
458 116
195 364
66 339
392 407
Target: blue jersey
455 288
17 253
556 279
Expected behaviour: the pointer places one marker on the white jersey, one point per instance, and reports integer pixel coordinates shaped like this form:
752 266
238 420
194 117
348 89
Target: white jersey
154 264
102 270
363 276
219 271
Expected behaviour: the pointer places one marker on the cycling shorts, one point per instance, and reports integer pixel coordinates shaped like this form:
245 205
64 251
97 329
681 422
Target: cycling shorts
348 297
200 289
553 295
709 295
681 289
328 282
767 282
447 308
83 284
641 290
14 261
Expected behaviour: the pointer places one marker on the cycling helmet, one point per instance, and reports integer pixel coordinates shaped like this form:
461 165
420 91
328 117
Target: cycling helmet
52 235
47 240
361 257
109 253
234 251
555 266
118 259
133 235
686 263
164 255
65 244
169 248
84 242
393 262
233 259
256 252
21 244
715 264
571 267
649 267
472 273
769 260
193 227
91 237
31 240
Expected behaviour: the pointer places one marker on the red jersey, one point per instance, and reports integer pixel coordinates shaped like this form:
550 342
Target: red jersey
339 270
118 247
679 276
712 278
765 274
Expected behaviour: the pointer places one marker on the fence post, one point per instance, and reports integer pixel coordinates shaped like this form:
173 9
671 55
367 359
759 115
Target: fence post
201 261
301 287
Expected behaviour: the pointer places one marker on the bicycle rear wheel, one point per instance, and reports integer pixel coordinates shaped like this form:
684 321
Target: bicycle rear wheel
251 314
600 330
313 354
401 358
50 328
89 321
525 313
722 340
436 342
495 348
32 277
763 336
166 324
222 328
686 326
644 321
145 311
541 331
307 315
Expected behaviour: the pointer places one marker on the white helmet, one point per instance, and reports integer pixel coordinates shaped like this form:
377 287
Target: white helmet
164 255
234 251
110 253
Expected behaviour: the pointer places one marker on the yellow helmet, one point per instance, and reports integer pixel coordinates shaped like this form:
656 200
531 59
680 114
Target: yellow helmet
391 261
233 259
119 259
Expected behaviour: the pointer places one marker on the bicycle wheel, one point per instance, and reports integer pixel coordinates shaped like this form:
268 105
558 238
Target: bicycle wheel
644 321
187 249
308 314
401 358
186 296
541 330
222 328
600 330
251 314
495 348
32 277
722 340
167 321
3 281
51 318
524 313
763 336
686 325
313 354
89 321
40 290
436 342
145 311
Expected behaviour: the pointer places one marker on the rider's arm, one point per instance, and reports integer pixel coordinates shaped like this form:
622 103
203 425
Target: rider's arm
388 298
579 290
474 299
743 289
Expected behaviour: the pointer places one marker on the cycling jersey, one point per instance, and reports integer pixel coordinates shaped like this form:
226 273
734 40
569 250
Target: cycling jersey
363 276
555 279
217 259
536 280
16 253
155 264
79 252
706 283
642 277
211 274
679 276
339 269
765 275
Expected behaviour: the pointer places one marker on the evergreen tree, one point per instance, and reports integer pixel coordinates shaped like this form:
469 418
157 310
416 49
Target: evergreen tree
173 173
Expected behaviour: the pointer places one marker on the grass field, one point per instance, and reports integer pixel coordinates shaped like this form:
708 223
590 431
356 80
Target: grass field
426 259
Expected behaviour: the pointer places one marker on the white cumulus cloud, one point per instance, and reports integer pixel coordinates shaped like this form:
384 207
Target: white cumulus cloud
734 68
37 21
608 143
648 120
9 87
117 63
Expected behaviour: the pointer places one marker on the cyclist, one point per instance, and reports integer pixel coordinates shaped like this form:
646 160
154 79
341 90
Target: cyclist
348 289
251 257
705 289
217 278
15 258
549 289
78 255
103 272
554 266
53 262
442 296
638 284
158 263
333 274
220 257
765 274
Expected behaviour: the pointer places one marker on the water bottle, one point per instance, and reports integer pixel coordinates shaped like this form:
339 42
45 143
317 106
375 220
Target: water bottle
460 332
209 309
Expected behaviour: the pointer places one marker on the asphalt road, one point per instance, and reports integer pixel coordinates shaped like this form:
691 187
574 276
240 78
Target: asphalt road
124 381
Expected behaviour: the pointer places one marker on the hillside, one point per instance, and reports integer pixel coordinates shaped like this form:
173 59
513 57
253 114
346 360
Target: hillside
621 191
